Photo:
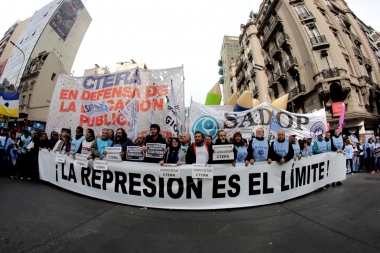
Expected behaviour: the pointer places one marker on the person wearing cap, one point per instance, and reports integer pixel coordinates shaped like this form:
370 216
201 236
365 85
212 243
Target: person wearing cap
154 137
77 140
258 149
309 148
280 149
296 147
320 145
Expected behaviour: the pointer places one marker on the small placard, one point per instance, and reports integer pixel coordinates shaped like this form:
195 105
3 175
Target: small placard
169 171
100 165
134 153
223 152
113 154
202 171
60 158
155 150
81 160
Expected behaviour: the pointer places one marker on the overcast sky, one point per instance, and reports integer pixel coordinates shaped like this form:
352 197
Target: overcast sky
163 33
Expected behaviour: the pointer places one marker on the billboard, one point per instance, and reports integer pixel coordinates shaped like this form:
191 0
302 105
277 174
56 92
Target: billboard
64 18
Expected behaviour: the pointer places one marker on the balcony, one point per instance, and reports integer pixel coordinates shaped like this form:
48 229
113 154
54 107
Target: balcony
344 27
240 79
283 40
356 39
239 66
294 93
330 73
253 73
274 52
319 42
272 83
295 1
357 52
266 13
306 16
246 40
279 75
255 91
367 80
366 61
290 63
345 19
250 55
332 9
268 61
276 22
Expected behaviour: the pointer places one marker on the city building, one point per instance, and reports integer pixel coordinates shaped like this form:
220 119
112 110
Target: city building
228 53
46 47
6 47
318 53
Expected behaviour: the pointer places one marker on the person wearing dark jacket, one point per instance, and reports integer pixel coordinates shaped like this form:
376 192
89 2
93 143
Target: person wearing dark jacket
53 140
174 154
199 151
32 171
222 140
44 142
154 137
280 149
121 140
85 146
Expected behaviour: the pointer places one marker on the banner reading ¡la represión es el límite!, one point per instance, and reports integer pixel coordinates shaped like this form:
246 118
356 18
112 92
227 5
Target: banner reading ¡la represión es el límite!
138 183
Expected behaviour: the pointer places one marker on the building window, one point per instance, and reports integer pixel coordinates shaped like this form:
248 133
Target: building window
359 97
23 100
29 96
53 76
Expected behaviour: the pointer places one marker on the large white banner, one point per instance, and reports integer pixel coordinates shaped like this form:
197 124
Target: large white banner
210 120
151 88
140 184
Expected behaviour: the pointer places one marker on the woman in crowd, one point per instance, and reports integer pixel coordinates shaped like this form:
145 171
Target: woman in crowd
65 144
349 154
173 154
240 146
85 146
356 157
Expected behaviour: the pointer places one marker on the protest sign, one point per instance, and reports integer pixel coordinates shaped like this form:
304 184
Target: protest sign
134 153
169 171
223 152
81 160
60 158
113 154
155 150
202 171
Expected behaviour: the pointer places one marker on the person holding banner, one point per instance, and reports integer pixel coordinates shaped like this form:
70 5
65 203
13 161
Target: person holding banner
328 139
199 152
44 142
240 147
77 140
320 145
174 154
337 145
376 154
185 142
121 140
154 137
64 146
280 149
53 140
85 147
208 140
258 149
220 154
98 147
296 147
140 140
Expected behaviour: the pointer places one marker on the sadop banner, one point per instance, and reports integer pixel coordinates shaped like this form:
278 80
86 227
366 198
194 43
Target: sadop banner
210 120
140 184
107 95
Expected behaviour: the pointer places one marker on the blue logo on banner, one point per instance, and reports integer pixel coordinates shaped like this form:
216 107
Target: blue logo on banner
206 125
316 129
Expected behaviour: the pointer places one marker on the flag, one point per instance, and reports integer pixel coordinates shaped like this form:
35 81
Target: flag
130 113
354 139
274 127
9 104
94 108
173 114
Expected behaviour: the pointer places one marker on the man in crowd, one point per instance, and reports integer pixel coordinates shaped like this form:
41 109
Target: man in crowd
77 140
121 140
328 139
222 140
154 137
53 140
208 140
377 158
199 152
296 147
99 146
186 142
22 159
44 143
258 148
280 150
308 141
320 145
337 145
3 139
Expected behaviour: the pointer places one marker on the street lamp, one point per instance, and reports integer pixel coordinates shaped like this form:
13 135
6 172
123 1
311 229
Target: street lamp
17 78
261 68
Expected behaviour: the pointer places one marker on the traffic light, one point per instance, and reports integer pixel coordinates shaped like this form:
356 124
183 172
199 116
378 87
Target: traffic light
15 123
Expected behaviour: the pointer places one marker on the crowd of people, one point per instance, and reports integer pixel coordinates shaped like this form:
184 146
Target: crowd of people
19 155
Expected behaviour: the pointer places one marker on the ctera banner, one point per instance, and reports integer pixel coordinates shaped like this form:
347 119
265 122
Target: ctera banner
98 101
210 120
147 185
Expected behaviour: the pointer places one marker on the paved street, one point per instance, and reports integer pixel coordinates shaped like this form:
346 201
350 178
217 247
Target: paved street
38 217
